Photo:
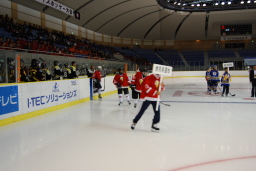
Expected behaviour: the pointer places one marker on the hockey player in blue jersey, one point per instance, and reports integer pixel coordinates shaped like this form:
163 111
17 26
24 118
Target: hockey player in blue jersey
225 82
207 78
214 73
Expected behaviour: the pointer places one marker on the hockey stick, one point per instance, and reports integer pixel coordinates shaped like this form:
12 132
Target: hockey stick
165 104
231 94
104 84
228 92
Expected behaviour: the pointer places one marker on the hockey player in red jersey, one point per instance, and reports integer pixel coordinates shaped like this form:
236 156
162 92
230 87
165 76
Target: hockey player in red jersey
137 80
150 92
122 83
97 79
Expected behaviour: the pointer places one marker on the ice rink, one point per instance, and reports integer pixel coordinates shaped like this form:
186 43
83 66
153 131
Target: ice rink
199 132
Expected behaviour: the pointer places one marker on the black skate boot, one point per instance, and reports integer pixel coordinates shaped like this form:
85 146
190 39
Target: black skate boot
154 128
120 103
135 105
129 102
133 126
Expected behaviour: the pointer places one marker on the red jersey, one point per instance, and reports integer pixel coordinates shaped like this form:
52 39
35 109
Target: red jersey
121 80
137 80
96 75
150 87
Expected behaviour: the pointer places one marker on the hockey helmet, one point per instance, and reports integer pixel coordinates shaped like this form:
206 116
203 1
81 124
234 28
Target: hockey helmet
214 66
143 69
66 65
43 65
55 63
73 62
35 62
10 61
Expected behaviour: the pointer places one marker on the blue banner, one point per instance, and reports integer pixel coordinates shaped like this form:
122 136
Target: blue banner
9 99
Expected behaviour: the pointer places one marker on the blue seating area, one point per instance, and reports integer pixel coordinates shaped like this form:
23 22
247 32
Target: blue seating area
194 57
247 53
6 35
149 55
172 57
127 52
221 54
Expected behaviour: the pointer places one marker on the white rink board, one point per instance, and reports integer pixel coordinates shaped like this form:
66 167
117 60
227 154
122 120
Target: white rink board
40 95
202 73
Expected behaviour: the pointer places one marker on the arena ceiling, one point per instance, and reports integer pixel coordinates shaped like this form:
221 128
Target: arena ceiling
138 19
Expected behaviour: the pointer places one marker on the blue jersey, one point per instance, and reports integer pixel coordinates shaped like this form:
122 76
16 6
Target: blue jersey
225 79
207 75
214 75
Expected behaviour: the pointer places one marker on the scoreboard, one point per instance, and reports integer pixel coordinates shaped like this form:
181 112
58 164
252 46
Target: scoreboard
236 29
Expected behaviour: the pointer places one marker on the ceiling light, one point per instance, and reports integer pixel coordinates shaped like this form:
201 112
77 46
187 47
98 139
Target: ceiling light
229 3
242 2
192 5
223 3
216 3
198 5
204 5
175 3
248 2
179 3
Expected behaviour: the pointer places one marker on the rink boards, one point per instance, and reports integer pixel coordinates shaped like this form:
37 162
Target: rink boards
26 100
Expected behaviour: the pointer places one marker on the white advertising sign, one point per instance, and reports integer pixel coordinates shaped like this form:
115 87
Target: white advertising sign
58 6
162 70
230 64
236 37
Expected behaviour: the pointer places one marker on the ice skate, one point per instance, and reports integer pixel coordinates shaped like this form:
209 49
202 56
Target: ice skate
120 103
133 126
135 105
99 96
154 128
129 102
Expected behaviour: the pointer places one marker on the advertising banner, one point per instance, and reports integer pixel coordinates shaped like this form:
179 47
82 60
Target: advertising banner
58 6
9 99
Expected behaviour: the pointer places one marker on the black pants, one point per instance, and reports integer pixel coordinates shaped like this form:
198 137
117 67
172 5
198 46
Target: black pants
253 92
135 94
144 107
122 90
214 85
97 84
225 89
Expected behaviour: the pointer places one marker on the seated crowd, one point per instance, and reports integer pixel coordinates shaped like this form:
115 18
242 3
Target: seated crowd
35 38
